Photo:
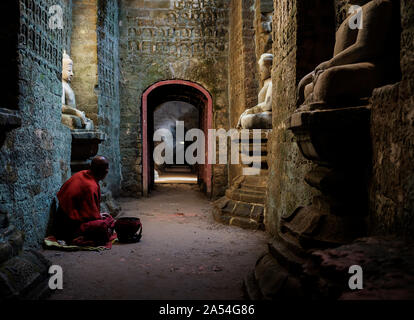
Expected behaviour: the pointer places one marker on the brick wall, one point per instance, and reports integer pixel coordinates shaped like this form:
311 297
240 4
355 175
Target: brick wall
162 40
302 40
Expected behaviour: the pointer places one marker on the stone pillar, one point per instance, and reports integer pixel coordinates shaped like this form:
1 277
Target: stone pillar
84 53
242 66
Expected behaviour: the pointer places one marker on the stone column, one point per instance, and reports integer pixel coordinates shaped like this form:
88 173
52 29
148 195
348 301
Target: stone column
84 53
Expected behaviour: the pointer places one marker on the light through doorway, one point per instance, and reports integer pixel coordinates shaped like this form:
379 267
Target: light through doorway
166 116
162 103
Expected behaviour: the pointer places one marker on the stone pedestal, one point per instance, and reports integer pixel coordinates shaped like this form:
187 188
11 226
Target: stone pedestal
85 145
338 141
243 203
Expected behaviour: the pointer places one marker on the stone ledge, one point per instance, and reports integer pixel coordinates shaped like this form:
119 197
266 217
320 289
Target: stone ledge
88 135
9 119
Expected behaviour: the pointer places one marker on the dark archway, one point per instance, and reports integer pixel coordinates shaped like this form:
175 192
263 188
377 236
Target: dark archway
174 90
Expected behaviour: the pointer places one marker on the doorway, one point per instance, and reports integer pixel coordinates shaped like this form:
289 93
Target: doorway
183 100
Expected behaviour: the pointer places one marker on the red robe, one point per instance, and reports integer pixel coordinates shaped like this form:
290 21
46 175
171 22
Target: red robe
80 197
79 218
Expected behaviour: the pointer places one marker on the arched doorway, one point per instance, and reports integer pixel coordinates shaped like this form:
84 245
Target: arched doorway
174 90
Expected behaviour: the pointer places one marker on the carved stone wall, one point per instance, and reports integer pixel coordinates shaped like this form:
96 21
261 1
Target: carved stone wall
108 89
392 123
159 40
243 77
35 157
302 39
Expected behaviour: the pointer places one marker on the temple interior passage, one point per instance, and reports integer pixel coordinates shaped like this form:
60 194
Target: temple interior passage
207 149
166 117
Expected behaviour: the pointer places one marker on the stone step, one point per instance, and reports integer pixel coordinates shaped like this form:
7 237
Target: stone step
250 191
245 223
246 197
250 188
247 171
242 214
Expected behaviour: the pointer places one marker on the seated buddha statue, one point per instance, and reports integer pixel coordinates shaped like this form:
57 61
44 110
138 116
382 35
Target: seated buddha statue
260 116
71 116
360 63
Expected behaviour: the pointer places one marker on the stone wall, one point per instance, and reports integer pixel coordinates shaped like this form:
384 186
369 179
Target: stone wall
302 39
162 40
263 38
35 158
108 90
392 130
243 77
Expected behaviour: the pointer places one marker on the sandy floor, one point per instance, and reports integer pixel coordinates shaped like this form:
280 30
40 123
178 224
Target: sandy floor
183 254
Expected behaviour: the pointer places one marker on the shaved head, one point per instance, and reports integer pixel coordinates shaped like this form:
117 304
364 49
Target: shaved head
100 167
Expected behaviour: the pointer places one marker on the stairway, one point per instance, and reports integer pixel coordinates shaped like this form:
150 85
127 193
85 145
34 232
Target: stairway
243 203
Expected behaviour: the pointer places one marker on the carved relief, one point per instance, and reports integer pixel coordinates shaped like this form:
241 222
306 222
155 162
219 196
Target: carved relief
106 48
181 30
43 43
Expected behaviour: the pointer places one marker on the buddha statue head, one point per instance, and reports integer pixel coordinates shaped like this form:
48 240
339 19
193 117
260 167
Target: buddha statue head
265 66
67 68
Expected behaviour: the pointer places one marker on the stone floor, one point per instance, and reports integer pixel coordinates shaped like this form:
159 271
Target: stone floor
184 254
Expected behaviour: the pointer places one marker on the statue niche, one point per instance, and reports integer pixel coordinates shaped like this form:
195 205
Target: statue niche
260 116
71 116
360 63
85 138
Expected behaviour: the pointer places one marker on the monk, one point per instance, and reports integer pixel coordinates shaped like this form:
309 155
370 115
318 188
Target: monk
78 219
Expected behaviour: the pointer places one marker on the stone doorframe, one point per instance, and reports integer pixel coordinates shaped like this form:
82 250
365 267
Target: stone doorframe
207 121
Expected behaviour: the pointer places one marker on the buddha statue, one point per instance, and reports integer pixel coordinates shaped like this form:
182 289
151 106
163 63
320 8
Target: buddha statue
260 116
361 61
71 116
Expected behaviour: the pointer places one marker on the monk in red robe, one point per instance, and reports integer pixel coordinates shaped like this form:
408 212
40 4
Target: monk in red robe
79 220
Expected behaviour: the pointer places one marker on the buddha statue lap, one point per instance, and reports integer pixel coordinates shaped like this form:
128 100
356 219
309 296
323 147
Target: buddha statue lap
360 62
260 116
